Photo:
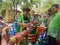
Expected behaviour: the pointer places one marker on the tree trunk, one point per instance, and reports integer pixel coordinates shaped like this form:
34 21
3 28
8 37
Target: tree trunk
8 17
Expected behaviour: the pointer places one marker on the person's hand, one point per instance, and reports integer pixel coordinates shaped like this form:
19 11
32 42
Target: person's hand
25 25
28 24
44 28
58 39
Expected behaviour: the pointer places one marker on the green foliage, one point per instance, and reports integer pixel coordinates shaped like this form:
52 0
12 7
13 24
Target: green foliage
43 9
30 4
7 4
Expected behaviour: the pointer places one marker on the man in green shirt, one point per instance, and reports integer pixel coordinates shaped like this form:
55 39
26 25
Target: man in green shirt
54 25
23 19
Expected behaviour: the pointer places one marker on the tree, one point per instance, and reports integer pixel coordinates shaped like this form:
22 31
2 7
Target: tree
0 3
7 5
28 3
46 5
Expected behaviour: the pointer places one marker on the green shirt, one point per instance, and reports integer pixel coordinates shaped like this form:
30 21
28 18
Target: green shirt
54 25
40 20
21 20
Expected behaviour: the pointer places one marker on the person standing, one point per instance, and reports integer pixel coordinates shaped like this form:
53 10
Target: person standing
54 26
3 32
23 20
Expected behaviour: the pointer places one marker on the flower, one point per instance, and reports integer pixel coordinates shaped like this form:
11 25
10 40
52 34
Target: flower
12 39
